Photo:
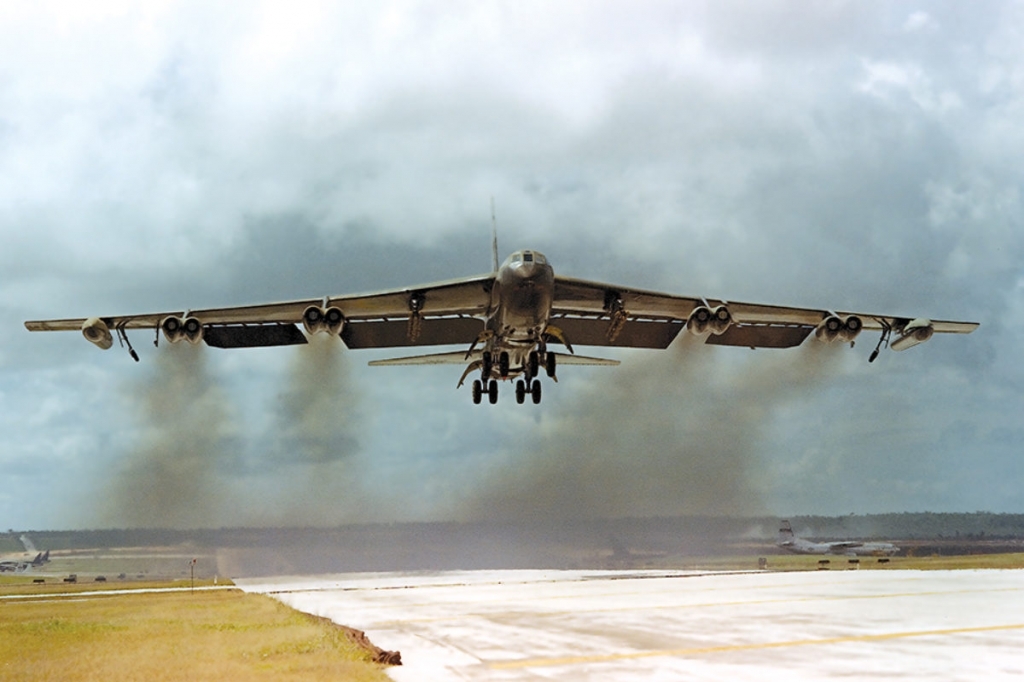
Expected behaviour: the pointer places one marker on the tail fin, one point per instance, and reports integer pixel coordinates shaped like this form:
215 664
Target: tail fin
494 238
785 532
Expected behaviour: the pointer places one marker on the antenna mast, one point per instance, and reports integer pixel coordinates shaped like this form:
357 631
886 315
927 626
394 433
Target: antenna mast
494 238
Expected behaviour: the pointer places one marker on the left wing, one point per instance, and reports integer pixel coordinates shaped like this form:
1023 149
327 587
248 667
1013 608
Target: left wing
594 313
440 313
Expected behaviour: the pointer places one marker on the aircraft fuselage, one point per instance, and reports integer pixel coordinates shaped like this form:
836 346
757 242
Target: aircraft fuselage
523 294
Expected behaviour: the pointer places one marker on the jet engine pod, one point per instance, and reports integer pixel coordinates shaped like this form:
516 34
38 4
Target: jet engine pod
914 332
97 333
704 320
192 329
173 329
834 328
315 319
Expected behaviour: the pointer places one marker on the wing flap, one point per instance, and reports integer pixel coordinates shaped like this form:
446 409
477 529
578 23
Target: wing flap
253 336
761 336
432 331
592 331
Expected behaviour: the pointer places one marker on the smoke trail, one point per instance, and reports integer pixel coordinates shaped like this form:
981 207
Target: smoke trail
673 434
315 449
170 477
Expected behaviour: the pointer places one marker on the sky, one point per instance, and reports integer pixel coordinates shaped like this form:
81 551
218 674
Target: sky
862 156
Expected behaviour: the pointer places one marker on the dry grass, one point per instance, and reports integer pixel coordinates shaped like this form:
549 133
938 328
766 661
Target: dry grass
222 635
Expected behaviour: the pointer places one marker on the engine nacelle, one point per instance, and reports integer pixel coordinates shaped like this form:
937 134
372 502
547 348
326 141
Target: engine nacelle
315 319
915 332
173 329
192 329
834 328
705 320
97 333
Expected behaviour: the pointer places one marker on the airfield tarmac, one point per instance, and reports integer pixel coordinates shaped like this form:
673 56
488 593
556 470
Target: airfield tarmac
659 625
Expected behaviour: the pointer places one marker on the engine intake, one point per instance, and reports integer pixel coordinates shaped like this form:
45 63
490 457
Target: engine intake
914 332
705 320
834 328
97 333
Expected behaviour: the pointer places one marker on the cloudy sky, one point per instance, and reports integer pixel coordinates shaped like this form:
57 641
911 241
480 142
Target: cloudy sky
848 155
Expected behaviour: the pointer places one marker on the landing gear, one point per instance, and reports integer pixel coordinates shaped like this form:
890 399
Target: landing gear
477 391
549 363
485 366
503 364
535 391
520 391
492 392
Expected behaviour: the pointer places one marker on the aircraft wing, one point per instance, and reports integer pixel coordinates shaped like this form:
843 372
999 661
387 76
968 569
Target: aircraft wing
432 314
599 314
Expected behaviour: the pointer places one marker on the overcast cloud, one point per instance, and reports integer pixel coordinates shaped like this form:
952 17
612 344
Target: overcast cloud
846 155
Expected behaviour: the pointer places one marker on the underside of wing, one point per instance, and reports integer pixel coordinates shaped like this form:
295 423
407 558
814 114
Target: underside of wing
599 314
431 314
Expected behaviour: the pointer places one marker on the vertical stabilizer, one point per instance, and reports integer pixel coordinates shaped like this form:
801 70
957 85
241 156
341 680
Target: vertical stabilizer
494 239
785 533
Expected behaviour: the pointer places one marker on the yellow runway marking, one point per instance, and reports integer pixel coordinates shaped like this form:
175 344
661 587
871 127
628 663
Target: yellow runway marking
599 658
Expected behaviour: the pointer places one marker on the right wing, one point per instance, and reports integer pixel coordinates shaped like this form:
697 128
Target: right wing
599 314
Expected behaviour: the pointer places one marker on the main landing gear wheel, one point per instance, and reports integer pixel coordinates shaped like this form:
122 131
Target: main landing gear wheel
520 391
492 392
503 364
477 391
485 366
534 364
535 391
549 362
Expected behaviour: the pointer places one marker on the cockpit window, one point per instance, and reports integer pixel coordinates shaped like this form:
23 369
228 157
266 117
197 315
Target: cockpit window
527 257
539 258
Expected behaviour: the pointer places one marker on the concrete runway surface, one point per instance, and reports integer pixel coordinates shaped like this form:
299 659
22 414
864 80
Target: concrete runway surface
655 625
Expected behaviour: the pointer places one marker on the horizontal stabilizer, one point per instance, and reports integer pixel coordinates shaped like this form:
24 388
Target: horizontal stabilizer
453 358
459 358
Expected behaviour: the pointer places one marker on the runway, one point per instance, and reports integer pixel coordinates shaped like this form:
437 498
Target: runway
651 625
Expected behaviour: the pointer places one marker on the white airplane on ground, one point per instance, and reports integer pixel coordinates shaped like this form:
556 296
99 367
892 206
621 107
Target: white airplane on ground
506 321
790 542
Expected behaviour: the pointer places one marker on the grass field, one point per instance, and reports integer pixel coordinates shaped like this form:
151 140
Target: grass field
172 636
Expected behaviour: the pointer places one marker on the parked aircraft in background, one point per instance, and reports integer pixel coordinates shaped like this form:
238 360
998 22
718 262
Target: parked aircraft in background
22 561
506 322
790 542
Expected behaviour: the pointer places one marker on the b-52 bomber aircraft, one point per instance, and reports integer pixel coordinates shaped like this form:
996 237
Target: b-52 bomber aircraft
506 322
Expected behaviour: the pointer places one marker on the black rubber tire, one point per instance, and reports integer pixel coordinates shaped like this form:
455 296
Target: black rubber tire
477 391
533 364
520 392
486 365
503 364
535 392
549 363
492 391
